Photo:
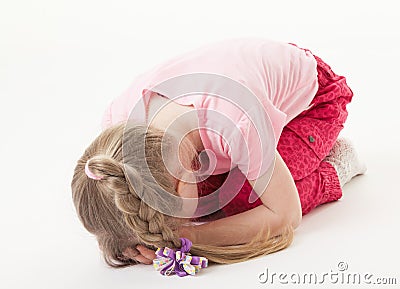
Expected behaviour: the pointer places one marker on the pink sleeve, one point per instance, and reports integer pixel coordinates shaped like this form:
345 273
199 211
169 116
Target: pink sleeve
128 105
254 146
106 120
114 114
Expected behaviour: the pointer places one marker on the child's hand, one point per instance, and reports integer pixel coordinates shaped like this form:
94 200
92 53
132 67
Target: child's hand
141 254
146 255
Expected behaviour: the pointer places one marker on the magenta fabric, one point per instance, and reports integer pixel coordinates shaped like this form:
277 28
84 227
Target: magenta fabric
304 143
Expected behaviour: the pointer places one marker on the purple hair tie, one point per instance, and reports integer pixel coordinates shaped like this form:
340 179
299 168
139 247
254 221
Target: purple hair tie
179 262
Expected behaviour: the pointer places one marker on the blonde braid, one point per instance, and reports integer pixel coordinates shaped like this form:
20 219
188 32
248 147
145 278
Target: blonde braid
115 208
151 227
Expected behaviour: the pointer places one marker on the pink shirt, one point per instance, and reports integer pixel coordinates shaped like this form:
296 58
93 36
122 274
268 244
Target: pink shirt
282 77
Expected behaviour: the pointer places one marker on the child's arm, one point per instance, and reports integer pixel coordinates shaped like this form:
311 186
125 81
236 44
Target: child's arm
281 206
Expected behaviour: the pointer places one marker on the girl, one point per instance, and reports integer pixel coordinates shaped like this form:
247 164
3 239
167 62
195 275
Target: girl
267 164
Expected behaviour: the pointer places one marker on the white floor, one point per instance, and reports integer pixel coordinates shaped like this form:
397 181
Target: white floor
60 64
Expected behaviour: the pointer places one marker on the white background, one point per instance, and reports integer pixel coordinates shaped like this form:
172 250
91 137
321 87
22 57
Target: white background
62 62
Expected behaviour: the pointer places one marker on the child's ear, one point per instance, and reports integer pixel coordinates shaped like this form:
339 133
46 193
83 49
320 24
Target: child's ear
130 253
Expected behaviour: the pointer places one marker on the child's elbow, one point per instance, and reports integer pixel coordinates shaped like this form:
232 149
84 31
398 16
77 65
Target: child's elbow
296 220
293 218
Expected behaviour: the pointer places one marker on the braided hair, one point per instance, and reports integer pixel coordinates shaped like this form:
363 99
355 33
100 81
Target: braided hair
117 208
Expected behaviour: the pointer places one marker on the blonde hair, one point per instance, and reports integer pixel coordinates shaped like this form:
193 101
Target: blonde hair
112 208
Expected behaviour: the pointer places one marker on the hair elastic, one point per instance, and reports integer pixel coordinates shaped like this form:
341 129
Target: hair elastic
179 262
90 174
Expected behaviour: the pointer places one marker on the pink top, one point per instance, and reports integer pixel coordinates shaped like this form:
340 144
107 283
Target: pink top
264 84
